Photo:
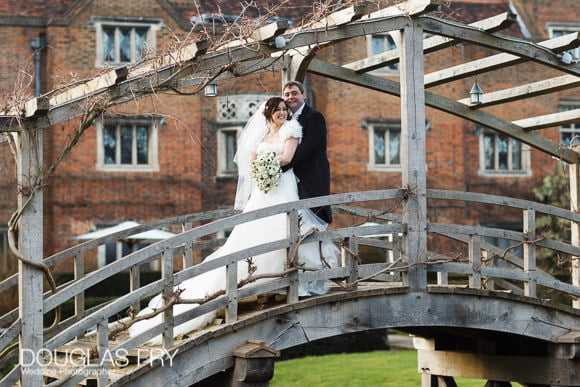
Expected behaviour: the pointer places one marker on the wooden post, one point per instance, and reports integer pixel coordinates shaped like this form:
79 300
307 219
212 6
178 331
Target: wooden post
413 154
30 279
574 206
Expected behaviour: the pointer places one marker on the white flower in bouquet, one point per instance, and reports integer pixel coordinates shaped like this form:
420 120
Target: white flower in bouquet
266 171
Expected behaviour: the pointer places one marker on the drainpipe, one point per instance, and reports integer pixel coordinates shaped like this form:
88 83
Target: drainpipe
37 44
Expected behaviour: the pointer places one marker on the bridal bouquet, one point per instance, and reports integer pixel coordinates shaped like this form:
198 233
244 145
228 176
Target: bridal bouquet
266 171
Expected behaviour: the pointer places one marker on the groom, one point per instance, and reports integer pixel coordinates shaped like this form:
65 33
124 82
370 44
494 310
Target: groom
310 162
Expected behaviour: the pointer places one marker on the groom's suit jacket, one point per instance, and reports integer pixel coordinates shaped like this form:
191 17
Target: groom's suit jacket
310 162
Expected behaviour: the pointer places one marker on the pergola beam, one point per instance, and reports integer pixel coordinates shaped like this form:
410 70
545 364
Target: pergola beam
529 90
431 44
498 61
549 120
447 105
507 44
166 78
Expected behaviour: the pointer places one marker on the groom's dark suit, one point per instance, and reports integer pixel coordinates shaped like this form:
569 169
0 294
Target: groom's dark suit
310 162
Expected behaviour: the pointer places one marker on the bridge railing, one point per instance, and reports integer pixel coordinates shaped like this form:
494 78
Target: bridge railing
479 273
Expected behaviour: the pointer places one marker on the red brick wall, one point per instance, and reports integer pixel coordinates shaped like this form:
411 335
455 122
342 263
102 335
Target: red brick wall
80 196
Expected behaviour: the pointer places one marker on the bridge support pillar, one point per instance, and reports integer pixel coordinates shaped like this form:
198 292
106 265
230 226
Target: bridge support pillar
491 360
254 364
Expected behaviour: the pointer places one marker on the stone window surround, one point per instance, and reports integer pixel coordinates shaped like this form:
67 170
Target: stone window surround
154 25
152 121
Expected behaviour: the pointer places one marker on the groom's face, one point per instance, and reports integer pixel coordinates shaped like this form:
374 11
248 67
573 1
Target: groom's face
294 98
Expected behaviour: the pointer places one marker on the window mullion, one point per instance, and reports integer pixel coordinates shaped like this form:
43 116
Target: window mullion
510 154
132 41
118 145
134 144
387 140
496 152
117 45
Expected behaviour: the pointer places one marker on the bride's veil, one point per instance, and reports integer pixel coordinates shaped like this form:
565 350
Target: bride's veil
248 142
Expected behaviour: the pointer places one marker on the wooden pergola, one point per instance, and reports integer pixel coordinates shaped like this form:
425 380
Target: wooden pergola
293 51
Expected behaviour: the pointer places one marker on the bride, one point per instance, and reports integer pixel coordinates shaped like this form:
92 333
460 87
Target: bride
268 130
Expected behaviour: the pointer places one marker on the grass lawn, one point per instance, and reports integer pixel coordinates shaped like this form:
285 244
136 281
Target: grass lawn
380 368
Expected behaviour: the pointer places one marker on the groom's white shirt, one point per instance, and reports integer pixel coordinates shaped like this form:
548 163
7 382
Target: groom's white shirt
299 111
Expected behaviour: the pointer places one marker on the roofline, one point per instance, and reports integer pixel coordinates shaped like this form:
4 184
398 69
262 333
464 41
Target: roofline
74 10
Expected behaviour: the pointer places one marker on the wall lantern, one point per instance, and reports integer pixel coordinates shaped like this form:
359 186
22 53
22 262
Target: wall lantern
210 90
476 94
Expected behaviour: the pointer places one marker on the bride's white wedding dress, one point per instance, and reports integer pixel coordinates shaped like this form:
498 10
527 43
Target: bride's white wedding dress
251 234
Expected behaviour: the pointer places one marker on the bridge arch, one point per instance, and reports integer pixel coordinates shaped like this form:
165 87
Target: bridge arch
502 315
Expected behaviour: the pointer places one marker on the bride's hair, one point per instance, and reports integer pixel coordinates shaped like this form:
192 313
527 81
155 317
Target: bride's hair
271 106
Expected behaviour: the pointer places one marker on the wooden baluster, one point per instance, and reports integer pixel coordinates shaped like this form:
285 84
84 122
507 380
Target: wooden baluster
350 260
475 260
167 275
232 292
293 236
79 272
575 227
102 348
530 252
396 254
489 283
135 279
188 249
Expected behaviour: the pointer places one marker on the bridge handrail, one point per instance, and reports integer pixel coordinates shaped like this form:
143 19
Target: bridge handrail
352 236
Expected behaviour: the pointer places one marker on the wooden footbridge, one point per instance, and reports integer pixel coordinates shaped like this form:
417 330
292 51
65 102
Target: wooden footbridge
474 310
493 322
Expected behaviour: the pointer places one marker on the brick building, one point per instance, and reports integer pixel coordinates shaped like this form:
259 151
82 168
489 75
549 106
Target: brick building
169 154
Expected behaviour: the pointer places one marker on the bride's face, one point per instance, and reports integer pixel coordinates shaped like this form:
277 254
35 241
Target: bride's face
280 114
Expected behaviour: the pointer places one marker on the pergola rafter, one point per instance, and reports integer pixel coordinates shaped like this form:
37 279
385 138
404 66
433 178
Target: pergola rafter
529 90
431 44
447 105
498 61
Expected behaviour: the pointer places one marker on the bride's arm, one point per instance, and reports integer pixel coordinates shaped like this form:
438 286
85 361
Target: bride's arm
289 149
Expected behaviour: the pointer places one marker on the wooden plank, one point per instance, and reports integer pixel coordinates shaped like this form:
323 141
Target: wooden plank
431 44
447 105
494 62
522 48
549 120
529 90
